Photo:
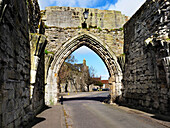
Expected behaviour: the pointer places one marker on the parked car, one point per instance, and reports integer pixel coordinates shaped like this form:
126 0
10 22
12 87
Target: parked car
105 89
94 89
99 89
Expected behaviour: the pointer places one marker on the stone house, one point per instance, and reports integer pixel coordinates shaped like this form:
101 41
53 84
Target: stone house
74 77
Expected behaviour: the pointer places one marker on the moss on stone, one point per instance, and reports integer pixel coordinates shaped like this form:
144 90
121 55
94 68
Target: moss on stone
48 52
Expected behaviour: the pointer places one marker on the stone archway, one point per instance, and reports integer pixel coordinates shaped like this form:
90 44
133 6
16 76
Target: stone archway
99 47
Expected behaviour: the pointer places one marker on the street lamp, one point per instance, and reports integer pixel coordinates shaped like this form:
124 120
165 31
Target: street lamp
85 14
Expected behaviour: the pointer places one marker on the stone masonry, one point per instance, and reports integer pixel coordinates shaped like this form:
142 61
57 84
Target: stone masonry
37 80
37 46
105 48
64 17
14 64
24 69
59 33
146 77
104 35
19 103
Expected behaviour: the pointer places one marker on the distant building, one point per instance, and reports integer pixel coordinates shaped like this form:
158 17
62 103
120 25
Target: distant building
74 77
97 78
104 82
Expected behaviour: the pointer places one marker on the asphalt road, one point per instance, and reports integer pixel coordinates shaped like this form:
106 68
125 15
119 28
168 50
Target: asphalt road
88 111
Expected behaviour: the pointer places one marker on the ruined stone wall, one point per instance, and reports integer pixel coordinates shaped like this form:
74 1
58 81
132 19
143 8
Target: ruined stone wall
33 15
111 44
37 81
17 108
57 36
14 65
73 17
64 24
37 56
38 100
147 64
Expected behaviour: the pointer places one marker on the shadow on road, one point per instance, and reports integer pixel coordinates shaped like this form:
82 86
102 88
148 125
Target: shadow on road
157 116
100 99
37 120
161 117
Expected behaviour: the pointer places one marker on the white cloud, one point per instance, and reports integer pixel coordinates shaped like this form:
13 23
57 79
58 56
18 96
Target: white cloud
127 7
104 7
68 3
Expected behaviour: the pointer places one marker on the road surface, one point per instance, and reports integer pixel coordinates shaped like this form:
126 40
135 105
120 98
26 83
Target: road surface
88 111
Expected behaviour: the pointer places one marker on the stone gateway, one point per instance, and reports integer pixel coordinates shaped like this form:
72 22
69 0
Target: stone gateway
65 34
34 45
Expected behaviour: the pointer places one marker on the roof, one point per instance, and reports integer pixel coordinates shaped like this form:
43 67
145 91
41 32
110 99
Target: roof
105 81
97 78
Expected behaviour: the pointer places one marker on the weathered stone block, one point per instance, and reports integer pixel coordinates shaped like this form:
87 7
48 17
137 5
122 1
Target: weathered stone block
156 105
164 101
10 105
143 63
7 118
163 107
8 85
164 90
16 104
147 103
169 94
11 125
26 102
12 74
11 94
148 98
17 122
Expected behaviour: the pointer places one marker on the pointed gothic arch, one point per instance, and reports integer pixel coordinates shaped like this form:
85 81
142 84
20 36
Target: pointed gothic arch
99 47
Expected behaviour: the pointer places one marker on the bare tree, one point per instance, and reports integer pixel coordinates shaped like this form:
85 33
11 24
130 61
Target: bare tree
92 71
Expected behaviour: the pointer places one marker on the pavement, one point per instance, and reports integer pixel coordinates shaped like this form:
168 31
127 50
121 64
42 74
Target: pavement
55 116
86 110
52 117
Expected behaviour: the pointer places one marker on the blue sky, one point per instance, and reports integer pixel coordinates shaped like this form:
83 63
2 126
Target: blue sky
92 59
127 7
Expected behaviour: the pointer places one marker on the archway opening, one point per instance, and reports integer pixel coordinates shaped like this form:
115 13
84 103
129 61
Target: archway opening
67 48
83 71
92 60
